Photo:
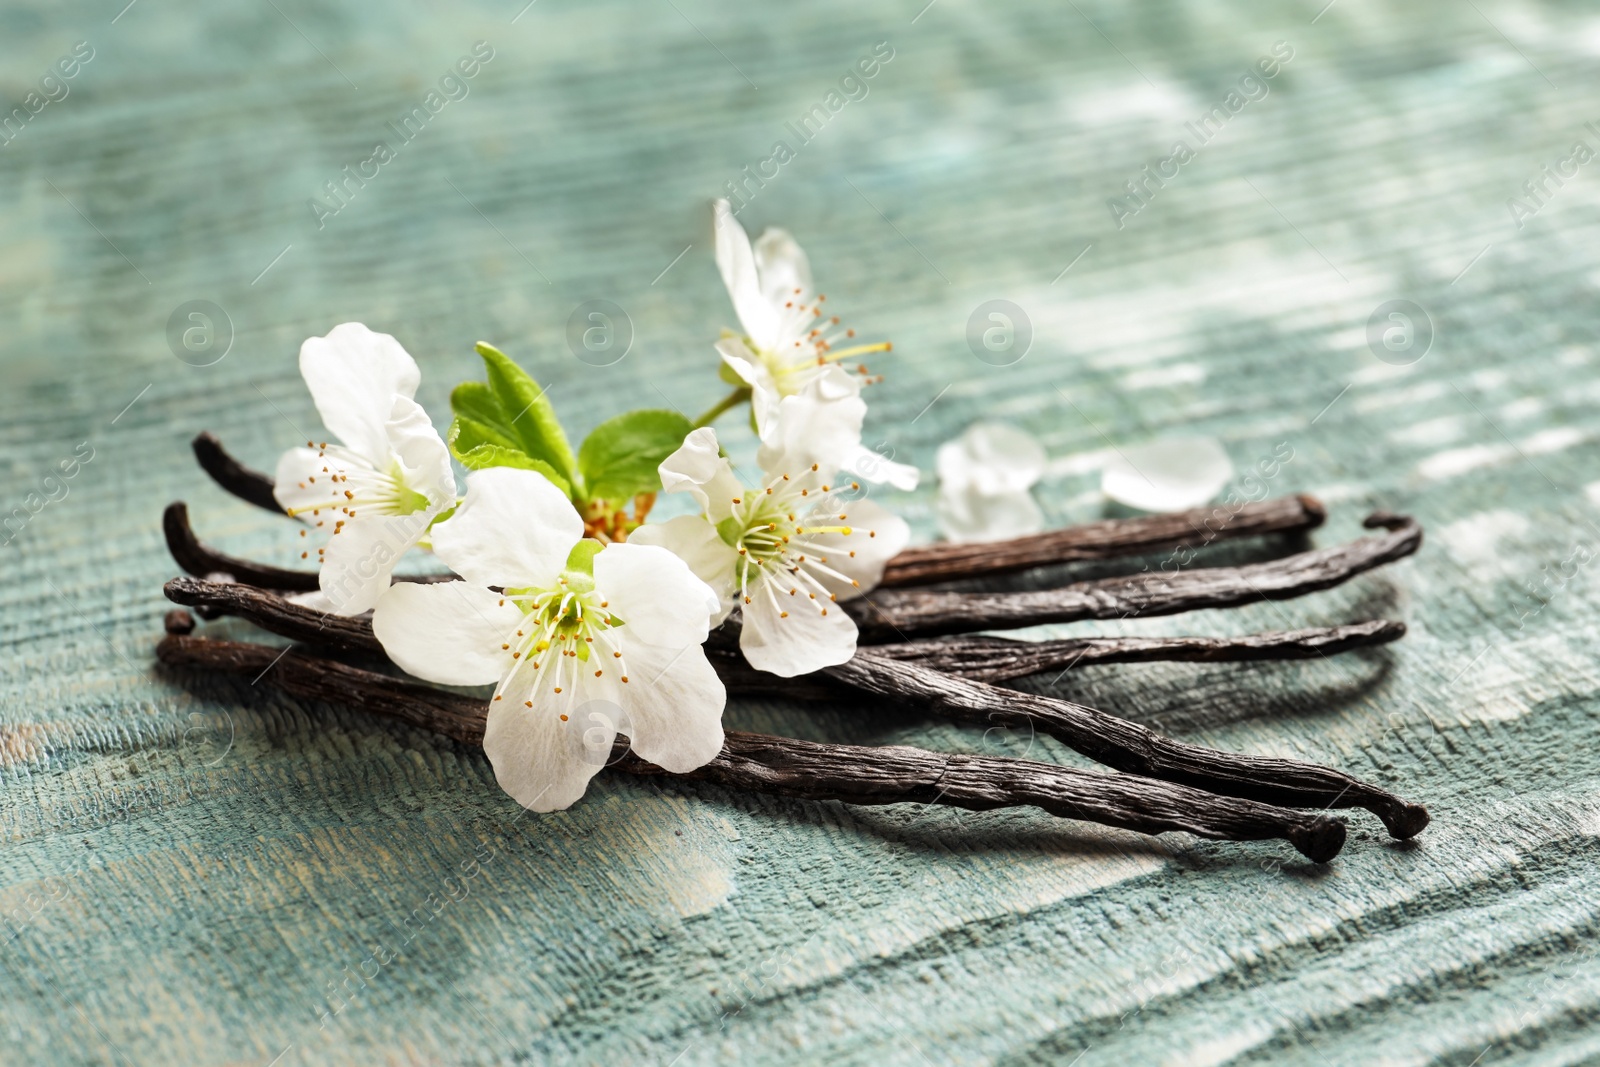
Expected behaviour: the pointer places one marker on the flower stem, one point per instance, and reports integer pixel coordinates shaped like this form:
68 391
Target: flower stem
727 403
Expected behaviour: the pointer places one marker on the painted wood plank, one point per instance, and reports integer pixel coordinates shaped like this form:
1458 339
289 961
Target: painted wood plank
196 870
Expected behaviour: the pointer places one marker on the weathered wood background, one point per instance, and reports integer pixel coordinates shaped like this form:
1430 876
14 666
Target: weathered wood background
199 871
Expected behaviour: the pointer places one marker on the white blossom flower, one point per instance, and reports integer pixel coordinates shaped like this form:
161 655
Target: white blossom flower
785 552
984 478
1172 474
374 490
822 424
581 641
788 342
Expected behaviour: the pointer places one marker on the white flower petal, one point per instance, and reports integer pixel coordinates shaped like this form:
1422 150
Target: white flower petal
869 466
782 267
672 706
655 594
316 600
446 632
764 393
1167 475
696 542
969 515
737 264
821 424
803 641
992 456
361 557
698 468
512 529
876 536
543 762
302 481
354 374
421 452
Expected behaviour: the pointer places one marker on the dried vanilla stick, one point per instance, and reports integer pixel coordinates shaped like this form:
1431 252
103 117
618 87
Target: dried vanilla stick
1103 737
901 614
1106 539
990 659
1002 659
810 770
922 565
1127 746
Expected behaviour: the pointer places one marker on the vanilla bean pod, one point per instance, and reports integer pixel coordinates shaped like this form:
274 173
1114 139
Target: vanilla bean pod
248 485
1127 746
902 614
1000 659
275 614
1120 744
890 616
1106 539
202 561
810 770
985 658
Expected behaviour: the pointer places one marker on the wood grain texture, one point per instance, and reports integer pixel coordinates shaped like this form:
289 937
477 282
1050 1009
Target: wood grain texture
195 871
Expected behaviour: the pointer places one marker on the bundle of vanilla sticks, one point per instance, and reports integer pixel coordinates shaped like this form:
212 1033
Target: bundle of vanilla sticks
925 644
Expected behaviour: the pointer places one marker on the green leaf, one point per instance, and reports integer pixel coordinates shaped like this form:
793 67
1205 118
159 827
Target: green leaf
475 403
581 559
524 414
486 455
621 457
467 434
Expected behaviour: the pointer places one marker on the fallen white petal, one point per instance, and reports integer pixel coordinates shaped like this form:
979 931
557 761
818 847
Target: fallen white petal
993 456
968 515
1172 474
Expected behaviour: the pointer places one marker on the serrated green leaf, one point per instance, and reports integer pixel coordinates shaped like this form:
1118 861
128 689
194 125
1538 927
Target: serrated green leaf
482 456
621 456
475 403
467 434
525 413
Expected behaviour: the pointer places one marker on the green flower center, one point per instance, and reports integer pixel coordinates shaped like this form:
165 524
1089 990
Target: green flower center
562 620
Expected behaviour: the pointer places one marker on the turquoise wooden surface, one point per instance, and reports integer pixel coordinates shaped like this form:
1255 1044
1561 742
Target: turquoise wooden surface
195 870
